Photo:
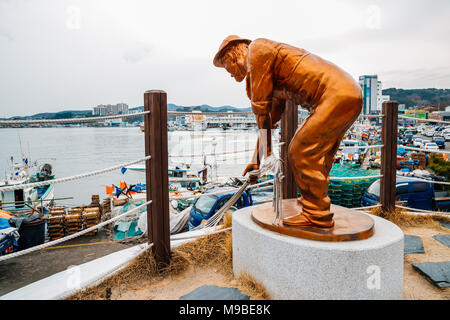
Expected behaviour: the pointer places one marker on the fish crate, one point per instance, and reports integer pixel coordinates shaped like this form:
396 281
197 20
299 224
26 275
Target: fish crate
91 217
56 222
439 156
56 226
74 221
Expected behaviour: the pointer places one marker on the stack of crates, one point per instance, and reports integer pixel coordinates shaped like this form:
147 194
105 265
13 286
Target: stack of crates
334 192
91 217
74 221
348 193
421 158
56 223
439 156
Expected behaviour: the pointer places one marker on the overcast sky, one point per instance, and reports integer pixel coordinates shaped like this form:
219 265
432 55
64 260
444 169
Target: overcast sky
60 55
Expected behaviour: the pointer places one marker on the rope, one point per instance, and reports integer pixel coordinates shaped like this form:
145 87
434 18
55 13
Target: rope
372 115
215 193
174 237
423 210
67 179
72 120
365 147
368 207
425 120
72 236
424 180
218 154
247 157
209 154
264 188
355 178
424 150
180 113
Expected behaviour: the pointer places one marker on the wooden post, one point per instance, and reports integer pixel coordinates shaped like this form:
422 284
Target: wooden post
389 155
289 123
158 225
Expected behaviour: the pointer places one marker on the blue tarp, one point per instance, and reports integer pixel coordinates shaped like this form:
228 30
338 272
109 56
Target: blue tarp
413 244
401 152
126 229
215 293
438 273
443 238
4 223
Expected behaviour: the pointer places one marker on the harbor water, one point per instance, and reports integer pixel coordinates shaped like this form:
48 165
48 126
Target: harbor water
76 150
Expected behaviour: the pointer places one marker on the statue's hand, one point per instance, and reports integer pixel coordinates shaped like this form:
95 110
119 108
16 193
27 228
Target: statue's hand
250 167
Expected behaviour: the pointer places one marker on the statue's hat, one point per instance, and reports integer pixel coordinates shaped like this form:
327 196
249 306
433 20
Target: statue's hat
227 43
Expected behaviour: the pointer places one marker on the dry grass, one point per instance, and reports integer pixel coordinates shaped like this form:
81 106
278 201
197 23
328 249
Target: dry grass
212 251
402 218
252 288
143 269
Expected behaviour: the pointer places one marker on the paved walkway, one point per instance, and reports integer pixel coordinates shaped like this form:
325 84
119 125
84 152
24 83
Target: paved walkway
21 271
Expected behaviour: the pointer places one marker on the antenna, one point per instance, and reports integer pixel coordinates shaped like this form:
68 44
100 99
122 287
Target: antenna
29 152
20 143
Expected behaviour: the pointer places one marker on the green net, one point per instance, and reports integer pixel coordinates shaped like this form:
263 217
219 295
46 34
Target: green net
349 192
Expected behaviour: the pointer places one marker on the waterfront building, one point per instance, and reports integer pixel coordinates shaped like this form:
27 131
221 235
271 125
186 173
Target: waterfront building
373 97
110 109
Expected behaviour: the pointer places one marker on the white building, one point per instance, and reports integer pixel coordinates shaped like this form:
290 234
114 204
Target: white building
373 97
110 109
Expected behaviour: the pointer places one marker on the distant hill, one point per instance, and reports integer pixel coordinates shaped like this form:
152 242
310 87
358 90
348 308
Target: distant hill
67 114
420 97
88 113
202 108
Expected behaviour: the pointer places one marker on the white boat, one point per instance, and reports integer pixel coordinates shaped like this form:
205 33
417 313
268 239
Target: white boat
15 201
185 177
350 151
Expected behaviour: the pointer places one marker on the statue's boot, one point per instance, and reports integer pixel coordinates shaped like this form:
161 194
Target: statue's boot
307 220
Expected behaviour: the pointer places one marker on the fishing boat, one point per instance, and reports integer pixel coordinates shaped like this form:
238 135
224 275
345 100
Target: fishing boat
350 151
184 177
22 200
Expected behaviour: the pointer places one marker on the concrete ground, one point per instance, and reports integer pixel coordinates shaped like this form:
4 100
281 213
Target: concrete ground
23 270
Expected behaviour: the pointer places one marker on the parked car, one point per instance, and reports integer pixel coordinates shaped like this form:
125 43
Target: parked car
412 194
408 138
440 141
411 130
429 132
421 129
447 136
438 132
418 142
431 146
204 207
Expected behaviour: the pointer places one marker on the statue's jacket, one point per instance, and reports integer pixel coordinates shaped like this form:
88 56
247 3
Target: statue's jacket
280 71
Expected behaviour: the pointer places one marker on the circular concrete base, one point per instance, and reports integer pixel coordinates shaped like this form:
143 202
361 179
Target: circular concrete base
349 224
295 268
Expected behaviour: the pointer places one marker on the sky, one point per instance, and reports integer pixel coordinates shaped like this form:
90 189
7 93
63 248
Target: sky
73 55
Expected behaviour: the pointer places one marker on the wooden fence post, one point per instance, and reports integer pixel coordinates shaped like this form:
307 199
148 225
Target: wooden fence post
289 123
389 155
157 181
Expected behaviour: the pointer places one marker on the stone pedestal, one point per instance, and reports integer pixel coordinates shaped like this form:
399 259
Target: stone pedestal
296 268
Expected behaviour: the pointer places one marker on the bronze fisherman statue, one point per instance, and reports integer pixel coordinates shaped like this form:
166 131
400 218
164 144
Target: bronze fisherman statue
276 72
